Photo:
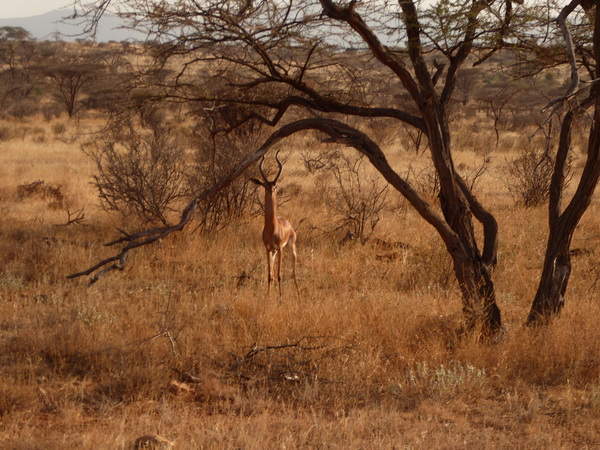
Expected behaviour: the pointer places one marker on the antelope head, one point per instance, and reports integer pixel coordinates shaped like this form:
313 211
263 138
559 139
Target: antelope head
270 186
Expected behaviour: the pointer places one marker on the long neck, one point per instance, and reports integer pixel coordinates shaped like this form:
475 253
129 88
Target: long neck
271 221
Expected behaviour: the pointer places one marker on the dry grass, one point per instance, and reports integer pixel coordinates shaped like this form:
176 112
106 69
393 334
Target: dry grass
368 356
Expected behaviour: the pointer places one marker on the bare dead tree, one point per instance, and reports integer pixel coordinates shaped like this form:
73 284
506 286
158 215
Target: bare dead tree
76 217
359 199
495 108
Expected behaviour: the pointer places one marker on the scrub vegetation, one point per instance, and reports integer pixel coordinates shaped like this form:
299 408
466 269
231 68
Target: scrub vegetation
185 344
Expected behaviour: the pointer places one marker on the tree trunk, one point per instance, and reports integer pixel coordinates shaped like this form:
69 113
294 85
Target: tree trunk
549 298
479 299
471 267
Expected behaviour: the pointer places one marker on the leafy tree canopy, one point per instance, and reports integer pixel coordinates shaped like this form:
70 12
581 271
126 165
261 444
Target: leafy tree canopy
14 34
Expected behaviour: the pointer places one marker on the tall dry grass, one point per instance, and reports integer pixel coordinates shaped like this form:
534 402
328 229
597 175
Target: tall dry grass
369 355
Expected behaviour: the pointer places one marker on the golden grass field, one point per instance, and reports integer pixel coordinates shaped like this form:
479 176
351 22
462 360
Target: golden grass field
367 356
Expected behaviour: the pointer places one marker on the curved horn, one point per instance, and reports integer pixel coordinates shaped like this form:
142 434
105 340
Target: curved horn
262 172
280 167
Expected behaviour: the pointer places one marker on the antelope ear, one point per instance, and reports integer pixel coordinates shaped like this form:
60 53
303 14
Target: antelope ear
255 181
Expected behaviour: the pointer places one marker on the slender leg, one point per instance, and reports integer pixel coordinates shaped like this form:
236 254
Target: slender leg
280 257
270 263
294 259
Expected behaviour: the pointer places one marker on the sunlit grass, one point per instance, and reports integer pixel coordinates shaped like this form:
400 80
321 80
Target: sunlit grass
371 354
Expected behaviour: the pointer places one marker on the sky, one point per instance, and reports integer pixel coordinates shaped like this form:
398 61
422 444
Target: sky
10 9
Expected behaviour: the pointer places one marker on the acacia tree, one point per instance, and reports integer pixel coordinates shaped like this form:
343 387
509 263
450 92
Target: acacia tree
284 61
583 51
18 56
285 58
69 74
16 51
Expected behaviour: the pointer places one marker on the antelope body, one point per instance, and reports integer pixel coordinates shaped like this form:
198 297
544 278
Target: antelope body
278 231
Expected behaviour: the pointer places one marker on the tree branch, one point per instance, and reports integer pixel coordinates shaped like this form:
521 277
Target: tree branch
464 50
338 131
91 13
489 256
562 22
381 52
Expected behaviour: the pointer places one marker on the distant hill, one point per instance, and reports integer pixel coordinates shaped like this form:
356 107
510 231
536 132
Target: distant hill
45 27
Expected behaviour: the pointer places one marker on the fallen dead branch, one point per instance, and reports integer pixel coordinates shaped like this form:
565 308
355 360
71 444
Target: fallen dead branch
292 362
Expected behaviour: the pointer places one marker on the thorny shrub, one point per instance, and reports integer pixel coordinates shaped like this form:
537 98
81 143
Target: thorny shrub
140 173
40 189
425 180
528 177
359 198
147 168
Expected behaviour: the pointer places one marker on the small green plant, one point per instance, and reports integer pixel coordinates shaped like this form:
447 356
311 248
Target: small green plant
5 133
445 379
59 128
10 282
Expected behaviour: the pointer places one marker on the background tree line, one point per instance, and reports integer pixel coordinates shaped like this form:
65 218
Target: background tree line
54 78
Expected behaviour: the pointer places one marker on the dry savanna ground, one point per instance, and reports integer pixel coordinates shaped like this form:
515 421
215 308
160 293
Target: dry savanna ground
184 343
